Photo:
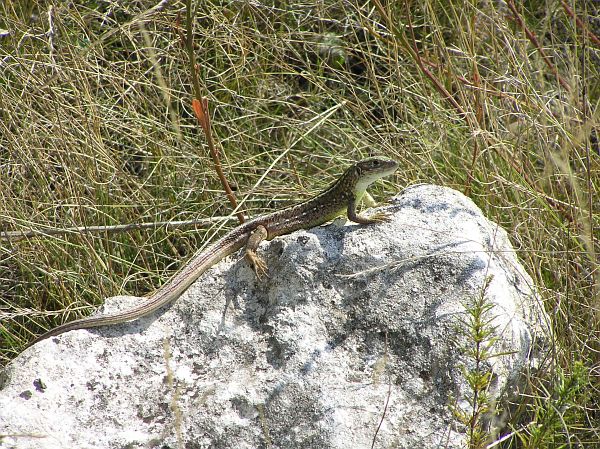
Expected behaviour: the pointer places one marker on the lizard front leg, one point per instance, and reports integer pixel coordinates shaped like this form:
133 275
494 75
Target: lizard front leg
256 236
357 218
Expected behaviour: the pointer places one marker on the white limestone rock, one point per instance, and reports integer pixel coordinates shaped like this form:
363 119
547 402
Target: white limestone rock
350 319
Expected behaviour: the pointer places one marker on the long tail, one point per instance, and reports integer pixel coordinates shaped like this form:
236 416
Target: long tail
170 291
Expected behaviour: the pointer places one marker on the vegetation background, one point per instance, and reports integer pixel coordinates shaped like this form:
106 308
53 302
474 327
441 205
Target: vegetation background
498 99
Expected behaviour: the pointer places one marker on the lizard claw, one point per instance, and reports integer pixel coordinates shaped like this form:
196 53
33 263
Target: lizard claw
260 268
258 265
379 217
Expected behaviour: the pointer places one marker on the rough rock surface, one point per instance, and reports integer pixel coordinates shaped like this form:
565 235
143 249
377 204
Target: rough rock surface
355 335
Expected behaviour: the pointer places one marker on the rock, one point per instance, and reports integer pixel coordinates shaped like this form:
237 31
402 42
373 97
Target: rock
358 333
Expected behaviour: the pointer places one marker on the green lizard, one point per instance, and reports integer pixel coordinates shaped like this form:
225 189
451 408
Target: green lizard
343 196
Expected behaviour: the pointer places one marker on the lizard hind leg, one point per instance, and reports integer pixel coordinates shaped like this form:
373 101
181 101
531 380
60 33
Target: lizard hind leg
256 236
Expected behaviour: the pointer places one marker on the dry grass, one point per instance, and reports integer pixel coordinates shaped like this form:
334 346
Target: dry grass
97 129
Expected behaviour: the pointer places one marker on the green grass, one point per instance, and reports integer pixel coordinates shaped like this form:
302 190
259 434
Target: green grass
96 128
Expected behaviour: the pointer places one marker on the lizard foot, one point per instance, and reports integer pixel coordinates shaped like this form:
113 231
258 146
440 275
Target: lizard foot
379 217
258 265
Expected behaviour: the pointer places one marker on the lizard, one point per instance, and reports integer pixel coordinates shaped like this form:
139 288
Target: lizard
341 197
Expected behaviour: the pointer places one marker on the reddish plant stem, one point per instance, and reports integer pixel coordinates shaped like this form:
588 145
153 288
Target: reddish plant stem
200 106
580 23
533 39
201 111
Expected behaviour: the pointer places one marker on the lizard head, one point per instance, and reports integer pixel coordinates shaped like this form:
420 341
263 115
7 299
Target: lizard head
369 170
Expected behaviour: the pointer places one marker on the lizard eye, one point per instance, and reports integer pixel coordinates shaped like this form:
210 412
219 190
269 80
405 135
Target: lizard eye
375 163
